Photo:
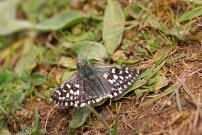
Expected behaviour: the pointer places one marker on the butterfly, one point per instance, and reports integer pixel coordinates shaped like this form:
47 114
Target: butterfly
93 83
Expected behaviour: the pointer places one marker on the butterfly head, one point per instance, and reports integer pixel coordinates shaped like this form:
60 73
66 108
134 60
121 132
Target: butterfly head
81 63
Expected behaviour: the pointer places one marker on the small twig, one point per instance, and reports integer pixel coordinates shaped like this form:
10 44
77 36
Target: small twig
181 83
48 116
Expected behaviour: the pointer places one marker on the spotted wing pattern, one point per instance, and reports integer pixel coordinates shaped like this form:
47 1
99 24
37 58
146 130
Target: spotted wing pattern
78 91
120 78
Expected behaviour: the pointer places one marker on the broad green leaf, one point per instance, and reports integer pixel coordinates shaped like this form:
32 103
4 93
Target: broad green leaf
67 62
153 45
38 79
28 58
153 22
79 116
113 28
195 12
178 32
66 75
161 80
61 20
139 93
8 22
89 50
87 36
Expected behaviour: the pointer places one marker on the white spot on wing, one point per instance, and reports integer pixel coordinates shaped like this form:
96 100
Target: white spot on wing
64 90
59 93
71 91
115 94
83 104
67 95
68 86
93 101
66 103
77 92
115 77
113 70
110 95
105 75
120 72
121 77
77 85
126 70
111 81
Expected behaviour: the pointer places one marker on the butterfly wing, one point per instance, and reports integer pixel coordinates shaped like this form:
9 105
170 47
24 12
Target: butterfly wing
74 92
117 79
77 91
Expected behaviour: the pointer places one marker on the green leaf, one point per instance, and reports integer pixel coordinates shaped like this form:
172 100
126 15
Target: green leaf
178 32
38 79
28 59
89 50
87 36
161 80
193 13
9 24
66 75
152 71
113 28
79 116
139 93
166 92
161 54
153 45
62 20
25 76
67 62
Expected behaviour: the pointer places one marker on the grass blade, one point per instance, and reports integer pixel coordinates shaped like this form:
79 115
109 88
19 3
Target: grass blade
166 92
115 127
194 99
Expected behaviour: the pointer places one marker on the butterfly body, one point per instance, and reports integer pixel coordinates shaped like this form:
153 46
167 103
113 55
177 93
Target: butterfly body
91 84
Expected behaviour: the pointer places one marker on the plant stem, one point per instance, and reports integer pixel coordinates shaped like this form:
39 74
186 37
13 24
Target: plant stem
100 118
